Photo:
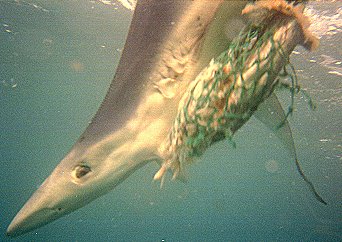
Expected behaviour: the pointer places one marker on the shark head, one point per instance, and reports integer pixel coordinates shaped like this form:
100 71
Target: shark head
61 193
66 189
75 182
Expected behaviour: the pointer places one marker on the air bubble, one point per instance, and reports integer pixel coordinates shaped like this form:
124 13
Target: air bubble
272 166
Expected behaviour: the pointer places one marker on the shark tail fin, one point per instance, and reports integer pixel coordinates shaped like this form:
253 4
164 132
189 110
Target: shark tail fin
311 186
271 114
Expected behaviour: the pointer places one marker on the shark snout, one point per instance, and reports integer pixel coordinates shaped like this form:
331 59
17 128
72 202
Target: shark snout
30 218
57 196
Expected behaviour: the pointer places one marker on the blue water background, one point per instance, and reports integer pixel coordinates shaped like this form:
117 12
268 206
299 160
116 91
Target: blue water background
57 60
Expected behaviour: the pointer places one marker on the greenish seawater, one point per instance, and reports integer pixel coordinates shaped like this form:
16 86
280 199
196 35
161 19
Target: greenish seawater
57 60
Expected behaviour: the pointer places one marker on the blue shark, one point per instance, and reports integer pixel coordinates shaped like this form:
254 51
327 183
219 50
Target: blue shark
168 44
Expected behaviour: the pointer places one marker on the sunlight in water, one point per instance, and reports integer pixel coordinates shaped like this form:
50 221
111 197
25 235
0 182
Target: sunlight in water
325 24
129 4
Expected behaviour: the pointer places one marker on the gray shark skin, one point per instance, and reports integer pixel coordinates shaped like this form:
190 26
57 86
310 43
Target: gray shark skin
168 43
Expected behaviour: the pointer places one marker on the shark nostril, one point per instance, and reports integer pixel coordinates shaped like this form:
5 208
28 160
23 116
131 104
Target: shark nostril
81 170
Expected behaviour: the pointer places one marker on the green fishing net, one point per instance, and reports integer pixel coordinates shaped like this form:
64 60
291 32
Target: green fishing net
226 93
229 90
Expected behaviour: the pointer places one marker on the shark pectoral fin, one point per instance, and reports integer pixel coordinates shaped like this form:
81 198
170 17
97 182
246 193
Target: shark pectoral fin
272 115
178 173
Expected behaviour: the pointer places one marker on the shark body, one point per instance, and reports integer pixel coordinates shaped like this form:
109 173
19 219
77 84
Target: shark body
168 44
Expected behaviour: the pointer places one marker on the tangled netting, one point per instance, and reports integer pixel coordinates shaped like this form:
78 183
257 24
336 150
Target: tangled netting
226 93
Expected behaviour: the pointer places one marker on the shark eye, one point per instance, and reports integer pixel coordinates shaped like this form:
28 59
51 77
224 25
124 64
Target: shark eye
81 170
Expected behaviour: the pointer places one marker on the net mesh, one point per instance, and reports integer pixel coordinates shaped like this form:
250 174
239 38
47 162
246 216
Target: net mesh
225 94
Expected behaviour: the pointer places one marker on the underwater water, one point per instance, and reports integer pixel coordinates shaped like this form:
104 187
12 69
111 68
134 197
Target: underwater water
57 60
